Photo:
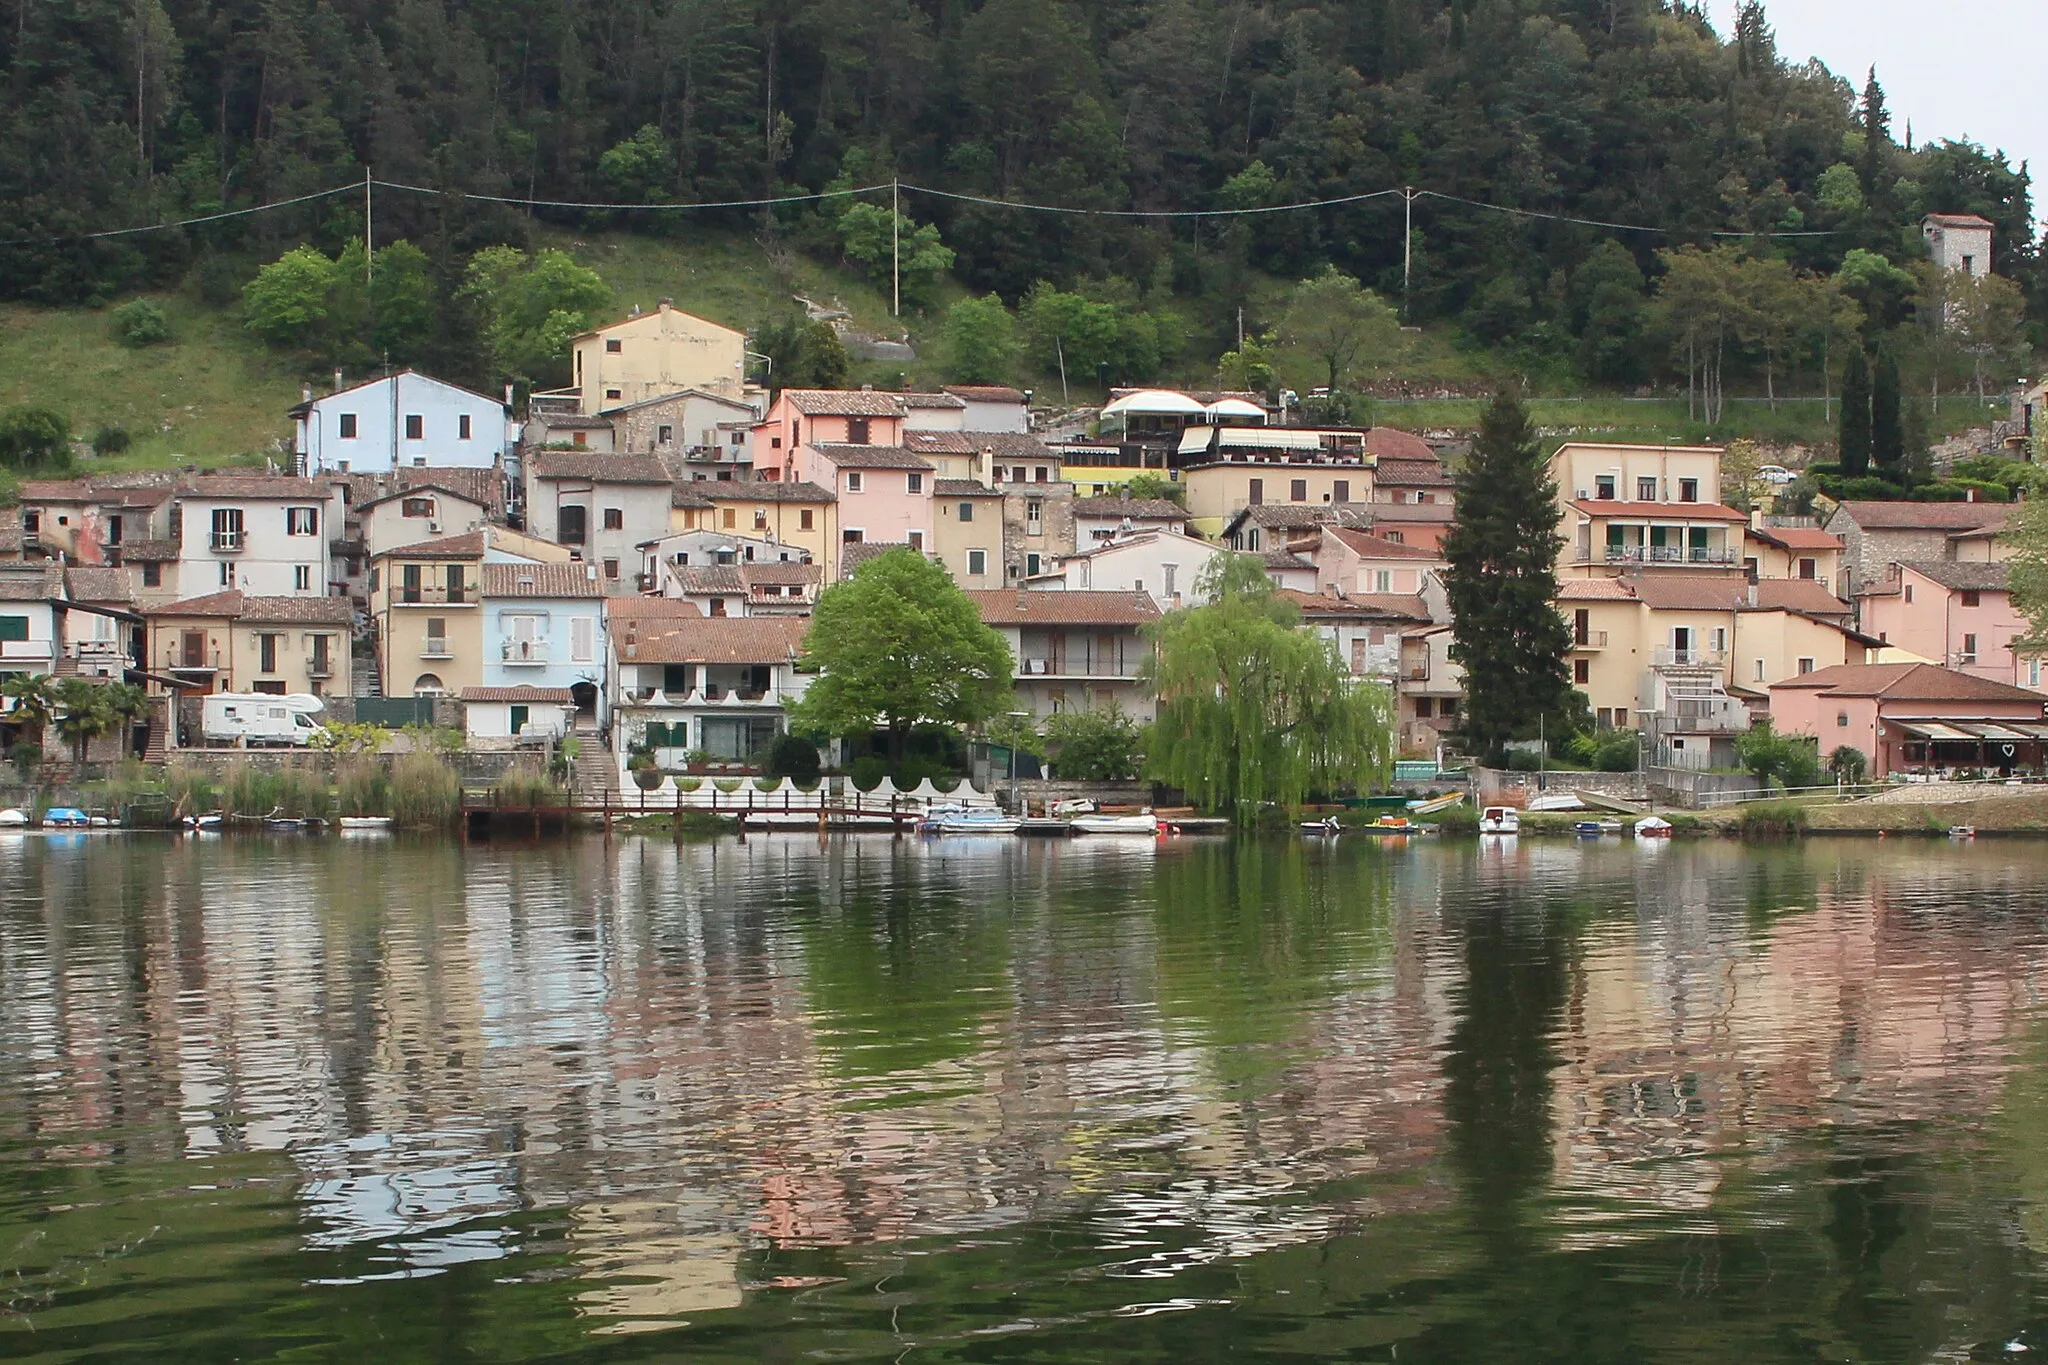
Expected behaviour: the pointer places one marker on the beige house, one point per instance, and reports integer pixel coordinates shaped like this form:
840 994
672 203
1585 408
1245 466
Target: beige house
657 353
1074 650
425 601
1793 552
602 507
1649 507
1353 562
414 514
1429 689
1218 492
799 514
967 531
232 642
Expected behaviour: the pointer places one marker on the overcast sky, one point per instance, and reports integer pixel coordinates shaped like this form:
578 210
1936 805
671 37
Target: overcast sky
1968 70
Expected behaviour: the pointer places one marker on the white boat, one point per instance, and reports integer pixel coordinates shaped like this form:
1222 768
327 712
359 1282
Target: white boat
1326 827
365 822
1653 827
970 820
1559 801
1500 820
1146 824
13 819
211 822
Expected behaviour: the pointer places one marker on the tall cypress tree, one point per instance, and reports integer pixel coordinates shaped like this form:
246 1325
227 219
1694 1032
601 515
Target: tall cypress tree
1502 580
1855 429
1887 424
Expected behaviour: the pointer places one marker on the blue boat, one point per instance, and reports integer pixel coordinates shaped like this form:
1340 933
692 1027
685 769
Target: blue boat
66 817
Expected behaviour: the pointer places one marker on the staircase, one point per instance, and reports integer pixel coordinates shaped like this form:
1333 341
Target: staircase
364 680
595 776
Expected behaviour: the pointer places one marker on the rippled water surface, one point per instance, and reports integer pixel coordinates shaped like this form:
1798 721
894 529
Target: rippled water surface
996 1100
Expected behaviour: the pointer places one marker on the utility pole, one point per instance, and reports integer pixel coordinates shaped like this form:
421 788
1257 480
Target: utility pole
369 235
1407 245
896 244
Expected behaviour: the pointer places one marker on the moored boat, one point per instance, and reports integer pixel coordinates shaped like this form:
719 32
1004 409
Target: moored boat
66 817
13 819
969 820
1324 828
1500 820
1145 823
1653 827
364 822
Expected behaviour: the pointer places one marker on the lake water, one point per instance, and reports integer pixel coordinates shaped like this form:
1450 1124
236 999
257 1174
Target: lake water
305 1100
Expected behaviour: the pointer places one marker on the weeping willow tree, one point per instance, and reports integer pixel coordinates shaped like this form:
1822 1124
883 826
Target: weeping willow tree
1255 711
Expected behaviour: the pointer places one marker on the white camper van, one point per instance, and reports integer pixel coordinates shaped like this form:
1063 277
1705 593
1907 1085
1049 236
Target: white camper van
252 718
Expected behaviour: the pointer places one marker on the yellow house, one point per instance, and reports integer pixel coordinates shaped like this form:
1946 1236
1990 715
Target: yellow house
1746 636
967 531
1218 492
232 642
1643 507
1794 552
657 353
800 514
424 602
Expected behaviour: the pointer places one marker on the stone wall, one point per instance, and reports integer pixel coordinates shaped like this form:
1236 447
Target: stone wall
1698 790
476 769
1037 793
449 713
1490 782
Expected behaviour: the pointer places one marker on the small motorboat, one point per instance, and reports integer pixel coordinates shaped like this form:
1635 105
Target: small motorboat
1653 827
1327 827
13 819
364 823
969 820
1393 824
1145 823
1500 820
1962 831
203 822
66 817
1559 801
1594 829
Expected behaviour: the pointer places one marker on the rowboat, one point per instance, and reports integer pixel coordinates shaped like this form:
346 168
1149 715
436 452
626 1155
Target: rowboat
364 822
202 822
1146 824
969 820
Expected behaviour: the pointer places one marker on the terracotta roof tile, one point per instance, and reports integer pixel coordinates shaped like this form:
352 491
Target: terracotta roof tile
617 608
1371 546
783 573
1137 509
843 403
1962 577
667 638
1370 606
1908 682
542 696
1594 590
1428 473
598 468
540 580
239 606
1391 443
962 488
851 557
30 582
940 443
870 457
267 486
1922 516
97 585
1658 511
767 490
1009 607
708 578
1797 537
944 402
984 393
469 545
150 552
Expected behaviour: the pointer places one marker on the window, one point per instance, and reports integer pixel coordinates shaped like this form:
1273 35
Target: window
191 644
1603 487
462 427
914 483
1969 649
856 431
582 639
227 574
1398 537
1031 565
915 540
266 653
572 524
977 563
1256 495
416 507
1297 490
578 439
613 346
1169 572
730 516
1423 708
2033 672
13 627
437 635
1340 491
804 519
1646 490
1688 490
1972 598
227 528
302 578
1805 667
152 575
1357 656
1383 580
1760 670
1842 718
665 434
1449 708
614 518
1720 639
967 511
1034 517
348 426
1043 475
302 521
611 568
456 590
409 583
853 481
415 427
1582 671
1909 594
760 520
1810 570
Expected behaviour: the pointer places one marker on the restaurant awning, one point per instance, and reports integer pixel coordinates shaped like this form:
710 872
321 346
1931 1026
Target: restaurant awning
1268 438
1971 731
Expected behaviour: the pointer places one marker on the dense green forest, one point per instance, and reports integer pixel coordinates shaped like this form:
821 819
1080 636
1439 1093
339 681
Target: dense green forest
120 113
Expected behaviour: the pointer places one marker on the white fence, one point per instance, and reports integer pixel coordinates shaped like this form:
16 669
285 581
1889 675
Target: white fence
783 796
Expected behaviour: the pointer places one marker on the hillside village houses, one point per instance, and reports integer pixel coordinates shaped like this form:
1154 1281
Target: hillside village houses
404 420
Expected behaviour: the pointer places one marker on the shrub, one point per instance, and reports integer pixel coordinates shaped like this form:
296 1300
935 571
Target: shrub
139 323
1772 820
1615 751
793 756
190 788
425 792
111 439
1524 761
361 787
26 758
1847 764
1788 760
1094 746
356 737
34 438
868 771
525 789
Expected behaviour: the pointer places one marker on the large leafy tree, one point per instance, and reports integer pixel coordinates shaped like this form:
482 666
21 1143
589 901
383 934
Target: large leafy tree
1501 579
1337 325
1254 712
979 341
898 645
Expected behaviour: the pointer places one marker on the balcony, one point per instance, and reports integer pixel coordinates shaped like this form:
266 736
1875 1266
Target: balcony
227 542
1070 668
1687 658
1589 640
435 648
1667 554
528 652
434 597
27 650
320 668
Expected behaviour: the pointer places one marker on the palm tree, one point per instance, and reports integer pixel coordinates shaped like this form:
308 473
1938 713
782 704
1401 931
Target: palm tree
85 713
30 699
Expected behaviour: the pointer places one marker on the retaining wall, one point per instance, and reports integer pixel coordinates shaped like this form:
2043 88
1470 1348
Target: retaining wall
1488 782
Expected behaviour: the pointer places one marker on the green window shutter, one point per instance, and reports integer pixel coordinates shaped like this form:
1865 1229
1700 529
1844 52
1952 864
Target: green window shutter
13 627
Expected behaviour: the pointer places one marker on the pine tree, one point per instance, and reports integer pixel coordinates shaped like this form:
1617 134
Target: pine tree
1887 427
1502 578
1877 141
1855 429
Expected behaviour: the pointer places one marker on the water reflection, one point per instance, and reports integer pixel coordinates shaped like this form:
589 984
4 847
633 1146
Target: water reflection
1100 1099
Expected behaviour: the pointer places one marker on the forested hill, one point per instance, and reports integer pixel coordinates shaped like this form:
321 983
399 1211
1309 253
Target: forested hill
125 112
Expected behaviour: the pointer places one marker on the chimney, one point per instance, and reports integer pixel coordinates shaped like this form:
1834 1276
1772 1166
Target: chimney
668 305
305 393
1752 592
508 395
337 381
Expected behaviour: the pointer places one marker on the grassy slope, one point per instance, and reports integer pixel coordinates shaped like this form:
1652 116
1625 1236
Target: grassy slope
214 395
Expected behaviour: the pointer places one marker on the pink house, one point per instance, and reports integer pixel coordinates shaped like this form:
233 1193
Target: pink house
1915 717
1959 615
834 416
1353 562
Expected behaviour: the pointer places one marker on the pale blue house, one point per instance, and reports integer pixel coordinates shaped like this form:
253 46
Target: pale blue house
404 421
544 628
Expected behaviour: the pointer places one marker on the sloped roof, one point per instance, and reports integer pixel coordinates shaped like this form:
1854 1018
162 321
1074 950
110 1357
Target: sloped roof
1657 511
97 585
31 582
1404 473
1594 590
97 490
782 572
1961 577
1010 607
1708 592
540 580
984 393
1908 682
468 545
1137 509
945 402
708 578
851 557
962 488
686 495
420 490
941 442
598 467
485 486
1437 513
1797 537
1370 546
271 486
1012 445
1391 443
1922 516
618 608
239 606
1363 606
1959 220
1285 559
150 551
871 457
768 490
670 638
843 403
542 696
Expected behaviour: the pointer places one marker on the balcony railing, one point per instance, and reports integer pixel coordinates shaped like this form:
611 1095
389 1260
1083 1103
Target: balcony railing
1071 668
27 649
435 596
227 542
1687 658
1590 639
527 652
320 668
435 648
1667 554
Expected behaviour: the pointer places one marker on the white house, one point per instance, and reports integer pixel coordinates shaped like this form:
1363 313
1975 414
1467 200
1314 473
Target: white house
257 534
416 513
405 420
1959 241
992 407
544 627
1074 650
603 507
1163 564
516 714
28 621
683 682
1100 519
